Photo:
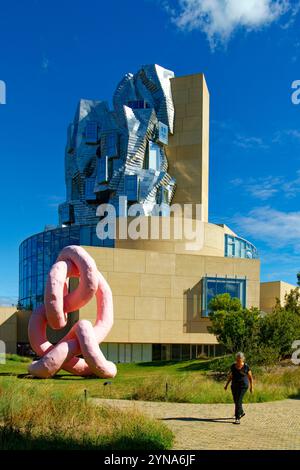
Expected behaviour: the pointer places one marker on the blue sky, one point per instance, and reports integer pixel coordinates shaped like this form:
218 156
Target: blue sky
54 53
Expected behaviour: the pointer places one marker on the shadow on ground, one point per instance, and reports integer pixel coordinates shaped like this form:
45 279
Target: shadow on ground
156 363
205 420
55 377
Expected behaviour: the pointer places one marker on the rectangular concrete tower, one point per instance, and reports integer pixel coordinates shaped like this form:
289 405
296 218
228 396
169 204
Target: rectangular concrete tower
188 149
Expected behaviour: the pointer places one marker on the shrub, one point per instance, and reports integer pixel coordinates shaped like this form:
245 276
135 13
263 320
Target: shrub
279 329
261 355
265 339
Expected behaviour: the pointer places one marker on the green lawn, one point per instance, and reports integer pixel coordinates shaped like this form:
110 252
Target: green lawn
198 381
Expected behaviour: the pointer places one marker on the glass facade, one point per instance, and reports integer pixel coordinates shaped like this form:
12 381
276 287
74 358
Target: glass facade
127 353
91 132
39 252
236 247
213 286
131 184
138 104
153 160
184 352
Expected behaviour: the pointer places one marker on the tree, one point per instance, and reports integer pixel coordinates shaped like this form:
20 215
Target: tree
237 328
279 330
291 302
298 278
281 327
264 338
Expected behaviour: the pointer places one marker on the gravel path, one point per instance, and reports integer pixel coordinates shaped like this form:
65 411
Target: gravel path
272 425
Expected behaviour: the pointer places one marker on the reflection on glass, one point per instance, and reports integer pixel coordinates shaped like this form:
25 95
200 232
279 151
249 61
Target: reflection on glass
236 247
215 286
39 252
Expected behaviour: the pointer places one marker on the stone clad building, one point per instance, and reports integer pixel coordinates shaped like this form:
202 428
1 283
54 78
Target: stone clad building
152 149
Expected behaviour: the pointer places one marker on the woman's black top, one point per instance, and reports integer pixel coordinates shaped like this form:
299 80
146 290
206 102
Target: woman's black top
240 376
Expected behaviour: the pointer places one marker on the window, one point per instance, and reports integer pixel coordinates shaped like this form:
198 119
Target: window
152 160
102 169
131 186
213 286
136 352
66 214
91 132
236 247
185 352
138 104
162 196
230 247
71 144
156 352
163 133
109 145
85 235
110 168
89 189
76 184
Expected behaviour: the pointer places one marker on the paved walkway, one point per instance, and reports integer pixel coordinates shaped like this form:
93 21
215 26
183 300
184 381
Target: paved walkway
272 425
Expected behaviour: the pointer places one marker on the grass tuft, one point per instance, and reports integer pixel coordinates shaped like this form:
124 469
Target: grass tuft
40 418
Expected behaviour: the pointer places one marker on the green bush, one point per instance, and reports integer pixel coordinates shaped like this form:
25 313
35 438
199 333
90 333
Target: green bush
265 339
222 364
261 355
279 329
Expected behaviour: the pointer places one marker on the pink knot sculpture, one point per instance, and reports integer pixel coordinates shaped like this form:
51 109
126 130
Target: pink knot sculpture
83 339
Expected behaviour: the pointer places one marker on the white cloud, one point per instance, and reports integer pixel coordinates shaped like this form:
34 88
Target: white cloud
280 136
230 131
275 228
294 10
293 133
249 142
279 264
45 64
292 188
219 19
260 188
265 188
262 193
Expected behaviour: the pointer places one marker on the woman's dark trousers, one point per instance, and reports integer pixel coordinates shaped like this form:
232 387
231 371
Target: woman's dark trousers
238 392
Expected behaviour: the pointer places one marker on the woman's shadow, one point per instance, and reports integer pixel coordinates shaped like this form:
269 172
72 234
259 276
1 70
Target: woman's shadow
205 420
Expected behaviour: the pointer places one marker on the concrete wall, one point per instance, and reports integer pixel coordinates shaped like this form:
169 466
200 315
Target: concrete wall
270 291
8 328
212 237
157 296
188 149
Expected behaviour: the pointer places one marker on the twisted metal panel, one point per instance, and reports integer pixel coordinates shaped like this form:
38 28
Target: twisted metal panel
105 146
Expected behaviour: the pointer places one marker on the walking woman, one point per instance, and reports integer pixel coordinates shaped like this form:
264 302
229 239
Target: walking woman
240 377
